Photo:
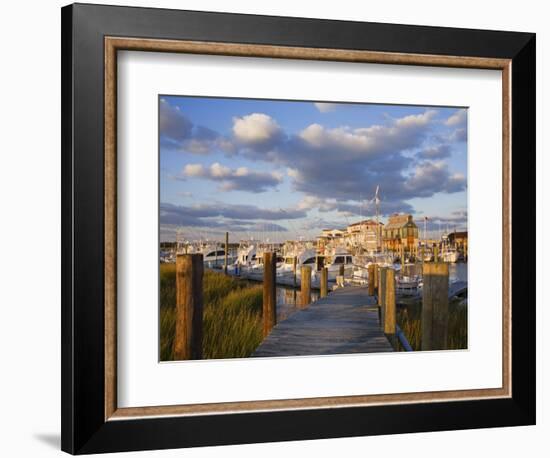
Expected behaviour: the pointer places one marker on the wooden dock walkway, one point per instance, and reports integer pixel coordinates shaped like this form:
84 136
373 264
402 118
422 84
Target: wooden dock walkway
346 321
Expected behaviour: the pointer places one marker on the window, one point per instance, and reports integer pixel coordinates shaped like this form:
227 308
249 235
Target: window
309 261
339 260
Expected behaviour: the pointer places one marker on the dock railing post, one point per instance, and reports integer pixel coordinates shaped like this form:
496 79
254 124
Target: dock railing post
382 294
435 306
389 306
269 296
376 276
226 252
370 279
306 285
189 307
324 282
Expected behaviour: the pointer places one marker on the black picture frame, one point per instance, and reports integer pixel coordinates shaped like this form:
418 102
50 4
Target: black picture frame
84 428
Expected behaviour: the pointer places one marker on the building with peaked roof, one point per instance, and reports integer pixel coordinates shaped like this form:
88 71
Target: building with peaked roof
400 232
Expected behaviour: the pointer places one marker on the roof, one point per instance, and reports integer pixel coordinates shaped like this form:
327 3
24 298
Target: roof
365 221
398 221
461 234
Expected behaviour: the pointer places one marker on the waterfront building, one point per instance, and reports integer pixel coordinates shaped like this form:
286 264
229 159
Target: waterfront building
400 232
460 241
365 234
329 238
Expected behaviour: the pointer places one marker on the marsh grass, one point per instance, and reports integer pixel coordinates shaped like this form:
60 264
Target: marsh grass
232 326
409 320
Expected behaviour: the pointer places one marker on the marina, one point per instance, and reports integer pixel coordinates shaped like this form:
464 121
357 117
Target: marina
329 216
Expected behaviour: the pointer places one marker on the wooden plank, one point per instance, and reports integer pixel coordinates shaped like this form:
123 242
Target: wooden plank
343 322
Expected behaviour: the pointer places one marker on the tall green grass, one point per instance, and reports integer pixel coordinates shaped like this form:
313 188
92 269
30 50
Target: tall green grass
409 320
232 320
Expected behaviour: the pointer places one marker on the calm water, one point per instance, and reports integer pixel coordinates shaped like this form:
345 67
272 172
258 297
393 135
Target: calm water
457 271
288 301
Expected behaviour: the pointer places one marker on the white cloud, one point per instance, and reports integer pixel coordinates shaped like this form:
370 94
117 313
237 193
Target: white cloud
417 120
458 118
193 170
324 107
400 134
240 179
255 128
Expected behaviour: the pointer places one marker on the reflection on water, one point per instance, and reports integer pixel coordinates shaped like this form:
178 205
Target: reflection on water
457 271
289 301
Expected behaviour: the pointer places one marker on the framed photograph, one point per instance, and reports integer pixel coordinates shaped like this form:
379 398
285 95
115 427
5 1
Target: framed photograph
283 228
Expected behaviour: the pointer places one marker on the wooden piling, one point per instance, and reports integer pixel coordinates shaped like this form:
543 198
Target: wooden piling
370 279
306 285
269 297
189 307
376 275
435 306
226 252
324 282
294 262
436 253
342 270
382 294
389 303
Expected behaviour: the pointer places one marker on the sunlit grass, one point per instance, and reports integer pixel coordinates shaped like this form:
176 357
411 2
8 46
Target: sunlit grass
409 320
232 326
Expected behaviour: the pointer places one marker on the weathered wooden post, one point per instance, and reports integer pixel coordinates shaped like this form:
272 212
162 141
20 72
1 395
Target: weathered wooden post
376 276
318 263
436 253
342 270
306 285
389 305
226 252
324 282
294 261
269 297
435 306
370 279
189 307
382 294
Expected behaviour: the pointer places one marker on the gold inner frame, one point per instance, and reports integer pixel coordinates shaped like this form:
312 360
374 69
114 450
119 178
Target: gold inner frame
114 44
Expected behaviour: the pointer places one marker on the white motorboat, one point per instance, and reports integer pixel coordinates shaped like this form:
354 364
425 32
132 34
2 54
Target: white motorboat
335 263
408 285
450 255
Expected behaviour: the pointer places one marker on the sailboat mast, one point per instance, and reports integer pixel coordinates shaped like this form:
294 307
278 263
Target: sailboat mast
377 203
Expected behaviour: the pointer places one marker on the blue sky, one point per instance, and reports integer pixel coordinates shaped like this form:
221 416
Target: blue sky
287 169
